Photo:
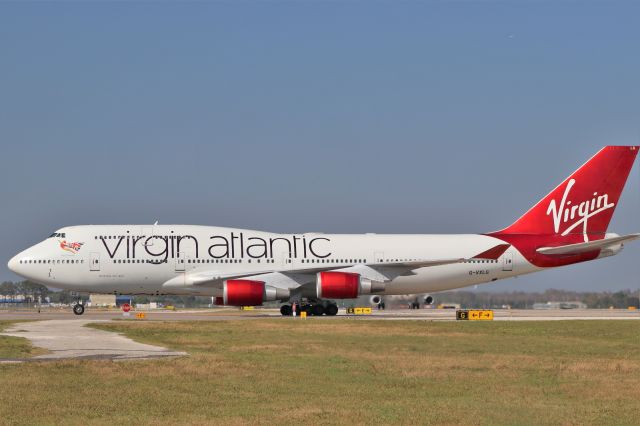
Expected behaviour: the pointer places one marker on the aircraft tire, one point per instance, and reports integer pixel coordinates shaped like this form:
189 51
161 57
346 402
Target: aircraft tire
317 310
286 310
331 310
78 309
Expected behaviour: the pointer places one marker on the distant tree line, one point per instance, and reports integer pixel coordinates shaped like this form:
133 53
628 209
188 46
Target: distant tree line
468 299
522 300
32 292
26 289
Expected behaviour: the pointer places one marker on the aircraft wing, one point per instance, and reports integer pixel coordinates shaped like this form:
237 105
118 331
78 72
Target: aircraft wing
491 254
385 272
293 278
586 247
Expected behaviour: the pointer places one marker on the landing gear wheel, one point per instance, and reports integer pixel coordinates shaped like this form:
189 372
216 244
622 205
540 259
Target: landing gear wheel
285 310
331 310
317 310
78 309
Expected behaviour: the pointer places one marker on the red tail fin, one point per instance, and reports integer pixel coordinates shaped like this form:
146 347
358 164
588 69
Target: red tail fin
581 207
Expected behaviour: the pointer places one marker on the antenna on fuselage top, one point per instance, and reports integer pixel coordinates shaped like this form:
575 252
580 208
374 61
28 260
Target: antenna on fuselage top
155 223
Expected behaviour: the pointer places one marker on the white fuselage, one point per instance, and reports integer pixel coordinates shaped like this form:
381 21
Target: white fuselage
568 226
139 259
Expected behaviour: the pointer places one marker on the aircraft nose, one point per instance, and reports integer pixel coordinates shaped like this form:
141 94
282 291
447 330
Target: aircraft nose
13 264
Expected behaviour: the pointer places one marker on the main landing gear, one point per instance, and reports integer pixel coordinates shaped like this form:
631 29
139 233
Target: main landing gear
315 309
78 309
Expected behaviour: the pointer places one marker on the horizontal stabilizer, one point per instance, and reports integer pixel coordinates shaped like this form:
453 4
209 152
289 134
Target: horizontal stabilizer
586 247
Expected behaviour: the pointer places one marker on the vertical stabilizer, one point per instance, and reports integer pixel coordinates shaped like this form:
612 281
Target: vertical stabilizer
581 207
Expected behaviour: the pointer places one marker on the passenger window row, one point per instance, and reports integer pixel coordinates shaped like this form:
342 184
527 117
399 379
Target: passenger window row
117 237
188 261
333 261
51 261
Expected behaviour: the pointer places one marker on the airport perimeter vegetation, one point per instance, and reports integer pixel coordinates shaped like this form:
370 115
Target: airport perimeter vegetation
290 371
620 299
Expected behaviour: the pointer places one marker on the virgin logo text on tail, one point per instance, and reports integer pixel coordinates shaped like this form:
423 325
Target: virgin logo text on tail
566 212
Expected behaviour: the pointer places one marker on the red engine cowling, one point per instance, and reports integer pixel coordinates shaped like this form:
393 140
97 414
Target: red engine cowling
337 285
241 293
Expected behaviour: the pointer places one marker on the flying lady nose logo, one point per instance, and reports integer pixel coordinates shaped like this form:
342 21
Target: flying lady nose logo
70 247
574 214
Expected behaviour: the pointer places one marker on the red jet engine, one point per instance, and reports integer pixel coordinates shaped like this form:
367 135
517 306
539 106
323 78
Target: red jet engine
344 285
249 293
242 293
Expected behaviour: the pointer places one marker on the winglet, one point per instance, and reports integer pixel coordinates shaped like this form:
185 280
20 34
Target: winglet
493 253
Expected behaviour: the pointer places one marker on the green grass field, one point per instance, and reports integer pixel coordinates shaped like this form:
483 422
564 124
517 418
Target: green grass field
287 371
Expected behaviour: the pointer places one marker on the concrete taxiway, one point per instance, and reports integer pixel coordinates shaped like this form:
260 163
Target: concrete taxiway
66 339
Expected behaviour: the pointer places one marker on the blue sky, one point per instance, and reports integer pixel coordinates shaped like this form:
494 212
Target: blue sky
430 117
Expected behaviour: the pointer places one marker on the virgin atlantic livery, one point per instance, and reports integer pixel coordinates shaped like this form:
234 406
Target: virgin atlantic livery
240 267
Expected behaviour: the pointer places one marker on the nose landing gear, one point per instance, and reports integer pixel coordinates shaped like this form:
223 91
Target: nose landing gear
78 309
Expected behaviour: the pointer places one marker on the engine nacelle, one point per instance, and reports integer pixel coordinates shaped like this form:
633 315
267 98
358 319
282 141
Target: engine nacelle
248 293
428 299
344 285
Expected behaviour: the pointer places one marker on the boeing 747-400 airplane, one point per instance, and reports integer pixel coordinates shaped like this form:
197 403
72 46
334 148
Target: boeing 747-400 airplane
246 268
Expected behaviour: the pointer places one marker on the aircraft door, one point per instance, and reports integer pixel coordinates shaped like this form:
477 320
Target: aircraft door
147 232
507 261
287 261
94 262
180 261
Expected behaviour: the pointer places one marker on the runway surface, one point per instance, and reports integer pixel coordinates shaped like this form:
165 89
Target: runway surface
233 314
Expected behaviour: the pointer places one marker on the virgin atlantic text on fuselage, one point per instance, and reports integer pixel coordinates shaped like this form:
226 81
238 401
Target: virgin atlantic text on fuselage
232 246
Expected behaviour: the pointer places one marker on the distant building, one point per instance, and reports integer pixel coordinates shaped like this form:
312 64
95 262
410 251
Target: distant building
560 305
16 298
120 300
147 306
103 300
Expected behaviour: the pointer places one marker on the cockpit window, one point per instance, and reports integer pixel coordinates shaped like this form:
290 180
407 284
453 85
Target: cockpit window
58 235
